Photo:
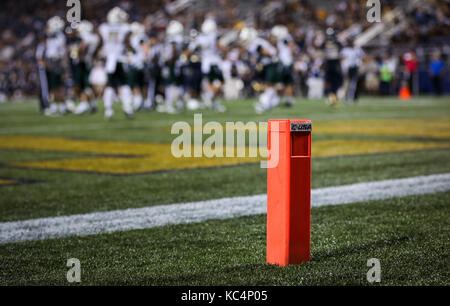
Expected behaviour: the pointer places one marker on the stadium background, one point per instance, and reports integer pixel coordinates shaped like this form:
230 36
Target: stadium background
422 26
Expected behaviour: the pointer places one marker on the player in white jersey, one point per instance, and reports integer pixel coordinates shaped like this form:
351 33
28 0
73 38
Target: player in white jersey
264 57
81 53
138 41
115 43
170 68
51 56
285 48
211 62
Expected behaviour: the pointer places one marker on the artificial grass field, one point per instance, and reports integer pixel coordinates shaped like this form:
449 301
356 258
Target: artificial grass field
409 235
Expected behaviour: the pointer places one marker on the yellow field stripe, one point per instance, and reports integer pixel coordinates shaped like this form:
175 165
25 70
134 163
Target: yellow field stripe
148 157
145 157
435 127
8 182
117 165
80 146
337 147
432 127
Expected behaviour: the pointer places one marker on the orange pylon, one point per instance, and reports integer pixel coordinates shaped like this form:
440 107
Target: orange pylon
404 93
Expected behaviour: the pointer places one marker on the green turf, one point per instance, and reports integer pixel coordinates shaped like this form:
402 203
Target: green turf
22 118
61 193
410 236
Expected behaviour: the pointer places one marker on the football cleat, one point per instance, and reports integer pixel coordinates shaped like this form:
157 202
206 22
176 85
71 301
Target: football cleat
109 113
129 115
259 109
82 108
218 107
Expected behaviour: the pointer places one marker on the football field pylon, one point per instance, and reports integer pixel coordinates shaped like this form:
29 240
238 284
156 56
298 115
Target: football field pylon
404 93
289 193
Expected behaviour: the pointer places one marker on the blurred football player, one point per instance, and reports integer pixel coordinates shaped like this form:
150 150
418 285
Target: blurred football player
233 69
115 42
191 71
333 73
263 56
209 47
44 101
285 48
138 84
154 54
171 67
51 56
82 53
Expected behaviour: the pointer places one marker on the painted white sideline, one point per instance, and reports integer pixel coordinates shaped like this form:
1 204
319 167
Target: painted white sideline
147 217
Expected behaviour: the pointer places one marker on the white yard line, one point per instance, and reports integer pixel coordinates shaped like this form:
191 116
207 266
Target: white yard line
148 217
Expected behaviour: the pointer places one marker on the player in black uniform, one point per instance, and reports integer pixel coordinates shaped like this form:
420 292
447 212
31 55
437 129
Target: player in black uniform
191 71
333 72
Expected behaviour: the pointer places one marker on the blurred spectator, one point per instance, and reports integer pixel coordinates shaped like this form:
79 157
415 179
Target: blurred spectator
412 67
22 25
437 67
370 70
386 75
352 57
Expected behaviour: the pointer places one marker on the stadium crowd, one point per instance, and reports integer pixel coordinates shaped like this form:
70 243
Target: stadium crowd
189 53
